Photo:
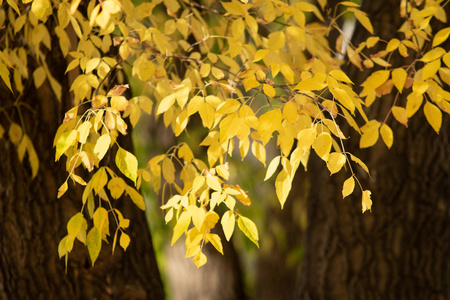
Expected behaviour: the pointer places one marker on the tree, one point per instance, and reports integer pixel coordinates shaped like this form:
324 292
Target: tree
251 75
33 219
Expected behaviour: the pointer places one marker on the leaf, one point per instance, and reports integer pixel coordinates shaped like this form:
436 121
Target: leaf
433 54
102 145
228 222
119 102
441 36
65 245
399 78
359 162
84 129
62 189
335 162
433 115
322 145
283 184
4 73
168 170
39 7
182 225
65 141
349 186
214 239
370 134
213 183
94 243
339 75
137 198
366 201
387 135
362 18
269 90
124 241
15 133
273 165
165 104
127 164
116 187
249 229
200 259
400 115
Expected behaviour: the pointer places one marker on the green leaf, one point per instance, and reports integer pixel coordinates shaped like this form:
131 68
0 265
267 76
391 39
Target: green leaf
94 243
249 229
127 164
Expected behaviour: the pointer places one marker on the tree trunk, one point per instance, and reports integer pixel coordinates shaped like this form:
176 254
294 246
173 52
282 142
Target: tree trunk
401 249
33 220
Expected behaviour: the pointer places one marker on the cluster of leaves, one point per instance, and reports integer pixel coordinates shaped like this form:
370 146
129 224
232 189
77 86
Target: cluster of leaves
253 73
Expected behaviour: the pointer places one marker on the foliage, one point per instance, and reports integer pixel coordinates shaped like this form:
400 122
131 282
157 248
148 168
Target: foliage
252 73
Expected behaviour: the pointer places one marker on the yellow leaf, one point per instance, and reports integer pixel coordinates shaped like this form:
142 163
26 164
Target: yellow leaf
65 141
344 98
15 134
116 187
334 128
359 162
228 221
207 114
249 229
306 138
276 40
374 81
339 75
39 8
370 134
441 36
287 72
413 103
430 69
200 259
260 54
62 189
137 198
362 18
94 243
349 186
165 104
366 201
273 165
205 69
218 73
127 163
39 77
400 115
393 45
433 115
84 129
283 185
433 54
335 162
213 183
124 241
371 41
399 78
315 83
146 104
259 152
322 145
214 239
446 59
102 145
269 90
119 102
168 170
4 73
268 123
182 225
387 135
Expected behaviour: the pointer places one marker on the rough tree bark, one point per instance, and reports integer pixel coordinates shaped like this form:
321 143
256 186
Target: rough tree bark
33 220
401 249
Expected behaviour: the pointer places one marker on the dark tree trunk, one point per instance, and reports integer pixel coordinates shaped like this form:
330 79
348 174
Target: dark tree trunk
33 220
401 249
